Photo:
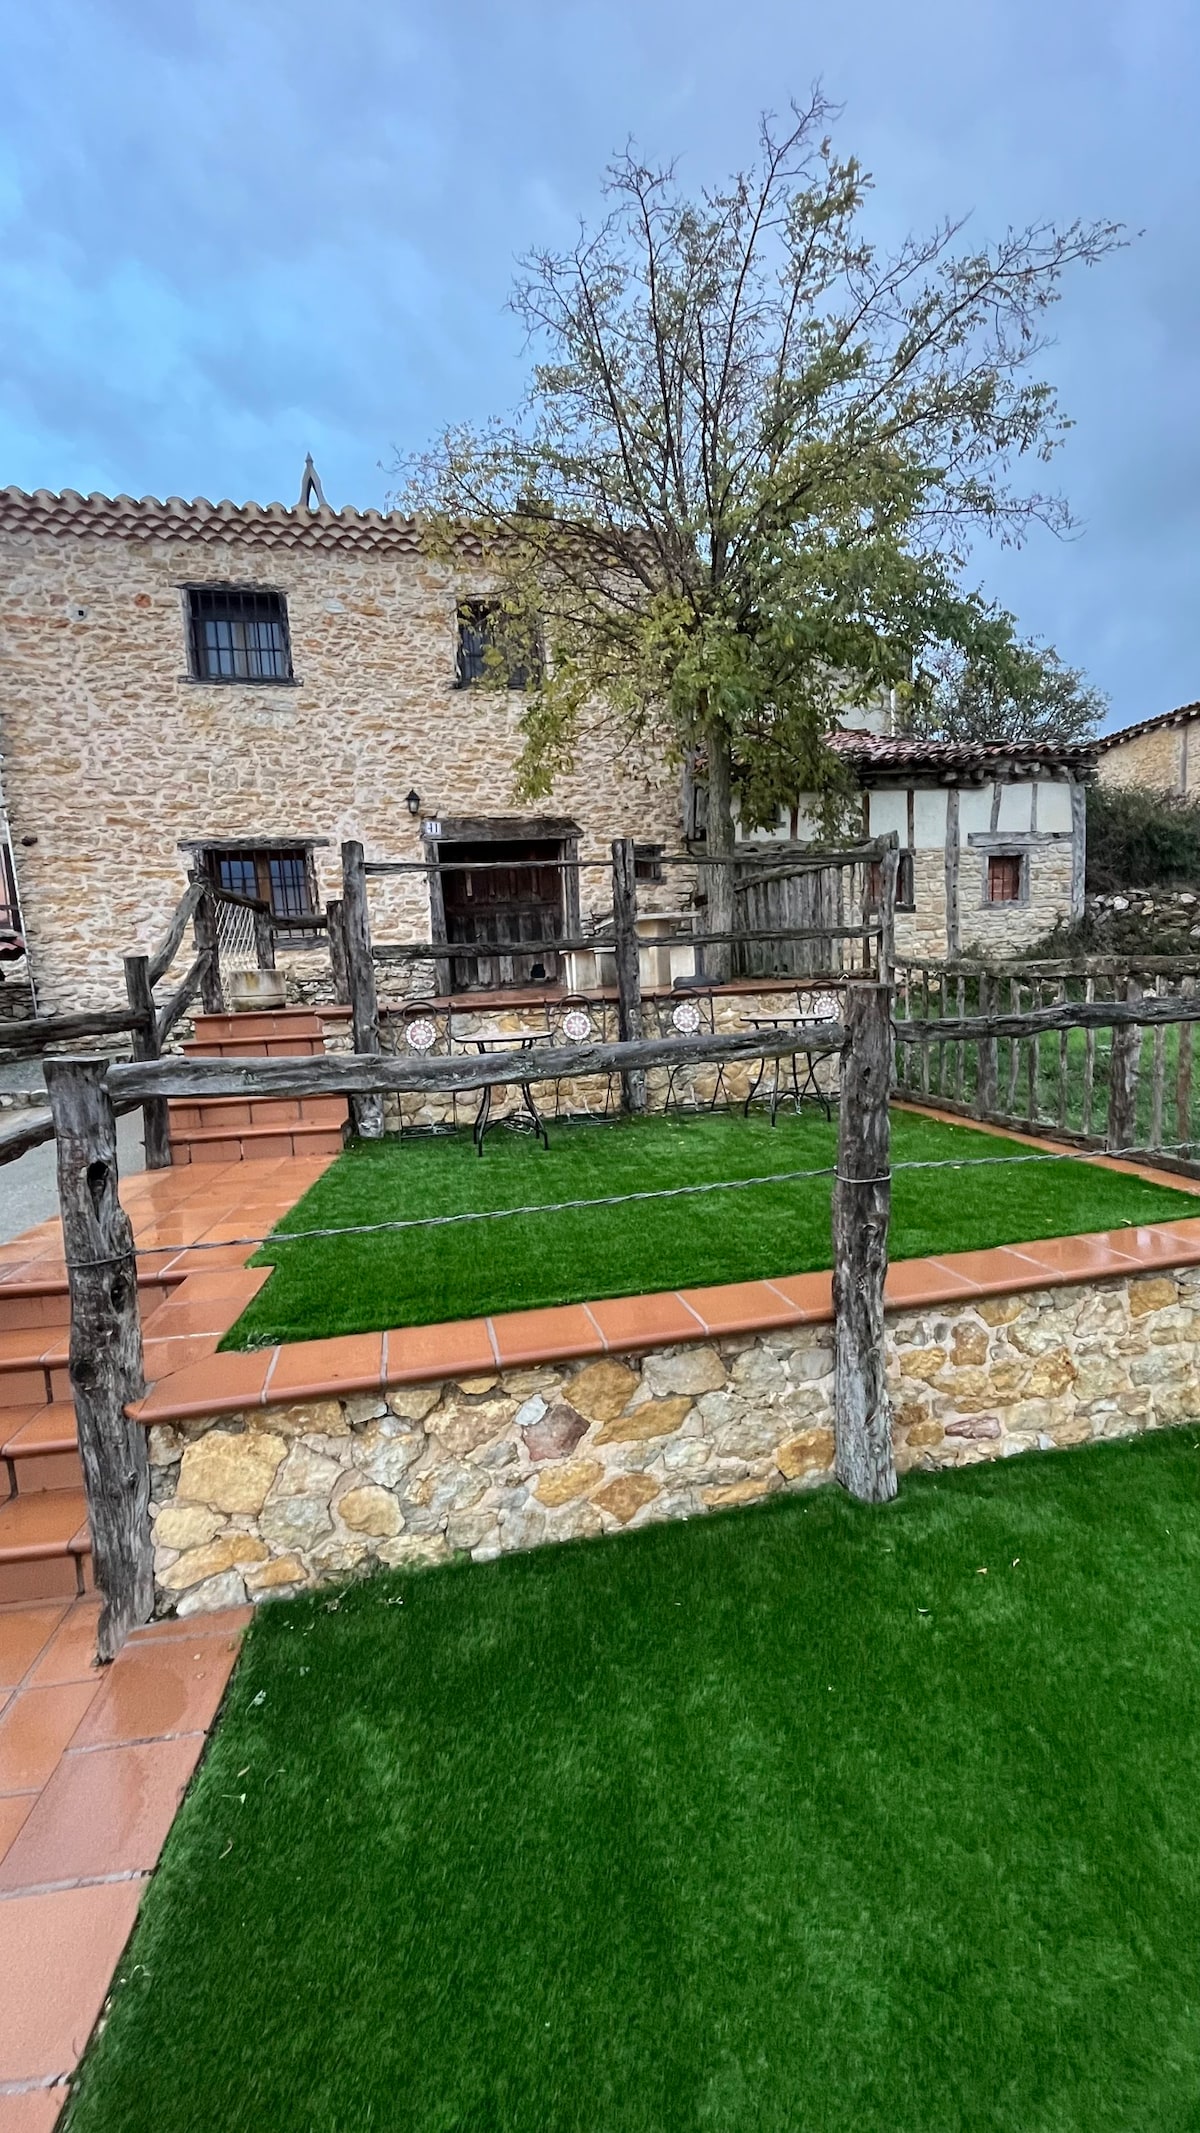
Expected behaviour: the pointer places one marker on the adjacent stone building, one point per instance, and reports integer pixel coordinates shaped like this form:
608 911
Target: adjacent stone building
240 687
1162 754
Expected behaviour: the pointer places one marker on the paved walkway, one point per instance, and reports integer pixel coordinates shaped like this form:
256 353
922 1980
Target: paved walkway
93 1765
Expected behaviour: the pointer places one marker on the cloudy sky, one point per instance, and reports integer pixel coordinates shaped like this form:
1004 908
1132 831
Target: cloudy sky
237 230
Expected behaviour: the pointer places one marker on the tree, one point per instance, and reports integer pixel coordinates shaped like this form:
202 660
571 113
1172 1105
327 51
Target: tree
751 458
1014 692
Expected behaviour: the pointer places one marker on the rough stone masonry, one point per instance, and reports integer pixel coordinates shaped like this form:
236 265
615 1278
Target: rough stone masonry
284 1497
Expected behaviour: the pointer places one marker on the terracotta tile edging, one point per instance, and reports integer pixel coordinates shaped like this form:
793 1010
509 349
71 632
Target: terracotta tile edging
675 1318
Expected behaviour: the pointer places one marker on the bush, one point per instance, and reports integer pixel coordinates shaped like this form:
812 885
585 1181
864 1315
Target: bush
1141 840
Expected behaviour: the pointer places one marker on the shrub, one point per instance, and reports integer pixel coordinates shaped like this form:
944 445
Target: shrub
1141 840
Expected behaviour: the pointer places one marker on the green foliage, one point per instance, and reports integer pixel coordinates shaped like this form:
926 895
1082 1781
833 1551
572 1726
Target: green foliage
754 454
1014 692
1141 840
809 1818
417 1277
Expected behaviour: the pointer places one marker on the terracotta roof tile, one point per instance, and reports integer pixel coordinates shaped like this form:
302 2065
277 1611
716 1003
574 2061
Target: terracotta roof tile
150 518
880 750
1179 717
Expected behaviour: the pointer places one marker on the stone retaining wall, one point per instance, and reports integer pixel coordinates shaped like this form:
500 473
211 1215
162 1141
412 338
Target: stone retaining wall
283 1497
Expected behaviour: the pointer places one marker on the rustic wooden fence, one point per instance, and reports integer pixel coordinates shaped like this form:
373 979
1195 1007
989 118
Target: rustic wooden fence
848 922
1099 1083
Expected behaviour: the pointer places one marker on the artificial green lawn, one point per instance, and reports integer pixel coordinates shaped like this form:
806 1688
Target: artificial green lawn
804 1819
418 1277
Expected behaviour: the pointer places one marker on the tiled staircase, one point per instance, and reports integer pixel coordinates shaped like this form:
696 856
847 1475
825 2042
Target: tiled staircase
230 1130
45 1553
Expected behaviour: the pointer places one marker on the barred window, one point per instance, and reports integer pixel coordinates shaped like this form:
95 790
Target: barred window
647 862
482 653
238 633
282 877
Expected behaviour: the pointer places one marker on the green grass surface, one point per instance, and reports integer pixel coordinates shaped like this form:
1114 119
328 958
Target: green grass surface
358 1284
783 1821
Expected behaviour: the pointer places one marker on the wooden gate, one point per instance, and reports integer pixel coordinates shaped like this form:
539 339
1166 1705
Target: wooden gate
770 896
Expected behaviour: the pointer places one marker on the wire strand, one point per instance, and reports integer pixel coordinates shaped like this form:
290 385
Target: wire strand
620 1199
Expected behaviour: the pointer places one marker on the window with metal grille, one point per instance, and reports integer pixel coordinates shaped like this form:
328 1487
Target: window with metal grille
1004 878
238 633
482 653
283 878
647 862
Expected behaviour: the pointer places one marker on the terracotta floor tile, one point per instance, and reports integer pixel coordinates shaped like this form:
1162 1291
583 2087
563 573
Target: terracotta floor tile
1160 1244
24 1632
61 1952
104 1811
546 1336
220 1385
740 1307
920 1281
995 1271
811 1295
152 1690
206 1319
353 1362
418 1352
1079 1258
642 1321
165 1358
14 1807
70 1654
35 1729
33 2110
228 1622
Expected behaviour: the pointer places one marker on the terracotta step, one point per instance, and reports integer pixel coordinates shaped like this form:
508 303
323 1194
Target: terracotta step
30 1302
33 1366
245 1144
305 1046
45 1553
277 1112
279 1021
39 1449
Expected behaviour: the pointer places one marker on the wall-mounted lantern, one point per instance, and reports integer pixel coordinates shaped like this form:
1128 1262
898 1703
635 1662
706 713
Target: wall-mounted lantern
413 803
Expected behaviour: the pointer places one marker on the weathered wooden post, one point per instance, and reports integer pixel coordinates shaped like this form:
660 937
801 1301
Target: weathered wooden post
366 1111
629 973
155 1128
987 1086
208 944
1124 1063
264 937
862 1197
337 951
106 1345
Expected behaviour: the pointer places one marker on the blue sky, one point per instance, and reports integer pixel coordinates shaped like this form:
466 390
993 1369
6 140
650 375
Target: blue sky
237 230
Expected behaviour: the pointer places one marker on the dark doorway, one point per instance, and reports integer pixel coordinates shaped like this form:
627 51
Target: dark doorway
503 891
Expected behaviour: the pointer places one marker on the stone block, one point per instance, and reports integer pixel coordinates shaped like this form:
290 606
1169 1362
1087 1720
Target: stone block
269 1576
231 1472
463 1428
654 1418
294 1523
370 1509
1000 1310
306 1473
969 1343
208 1562
601 1391
226 1590
626 1496
926 1363
1156 1294
315 1418
561 1484
185 1526
725 1497
556 1434
1054 1373
412 1403
810 1452
690 1370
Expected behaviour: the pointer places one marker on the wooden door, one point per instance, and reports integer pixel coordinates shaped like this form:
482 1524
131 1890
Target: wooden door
503 891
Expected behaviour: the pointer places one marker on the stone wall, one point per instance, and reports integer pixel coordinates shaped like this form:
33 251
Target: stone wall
1160 760
283 1497
113 758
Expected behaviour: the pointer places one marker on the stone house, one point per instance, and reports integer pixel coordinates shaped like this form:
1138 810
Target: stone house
992 835
1162 754
240 687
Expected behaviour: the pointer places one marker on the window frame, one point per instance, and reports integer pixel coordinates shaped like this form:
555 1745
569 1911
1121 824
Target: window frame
518 677
274 610
259 856
1014 858
648 862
